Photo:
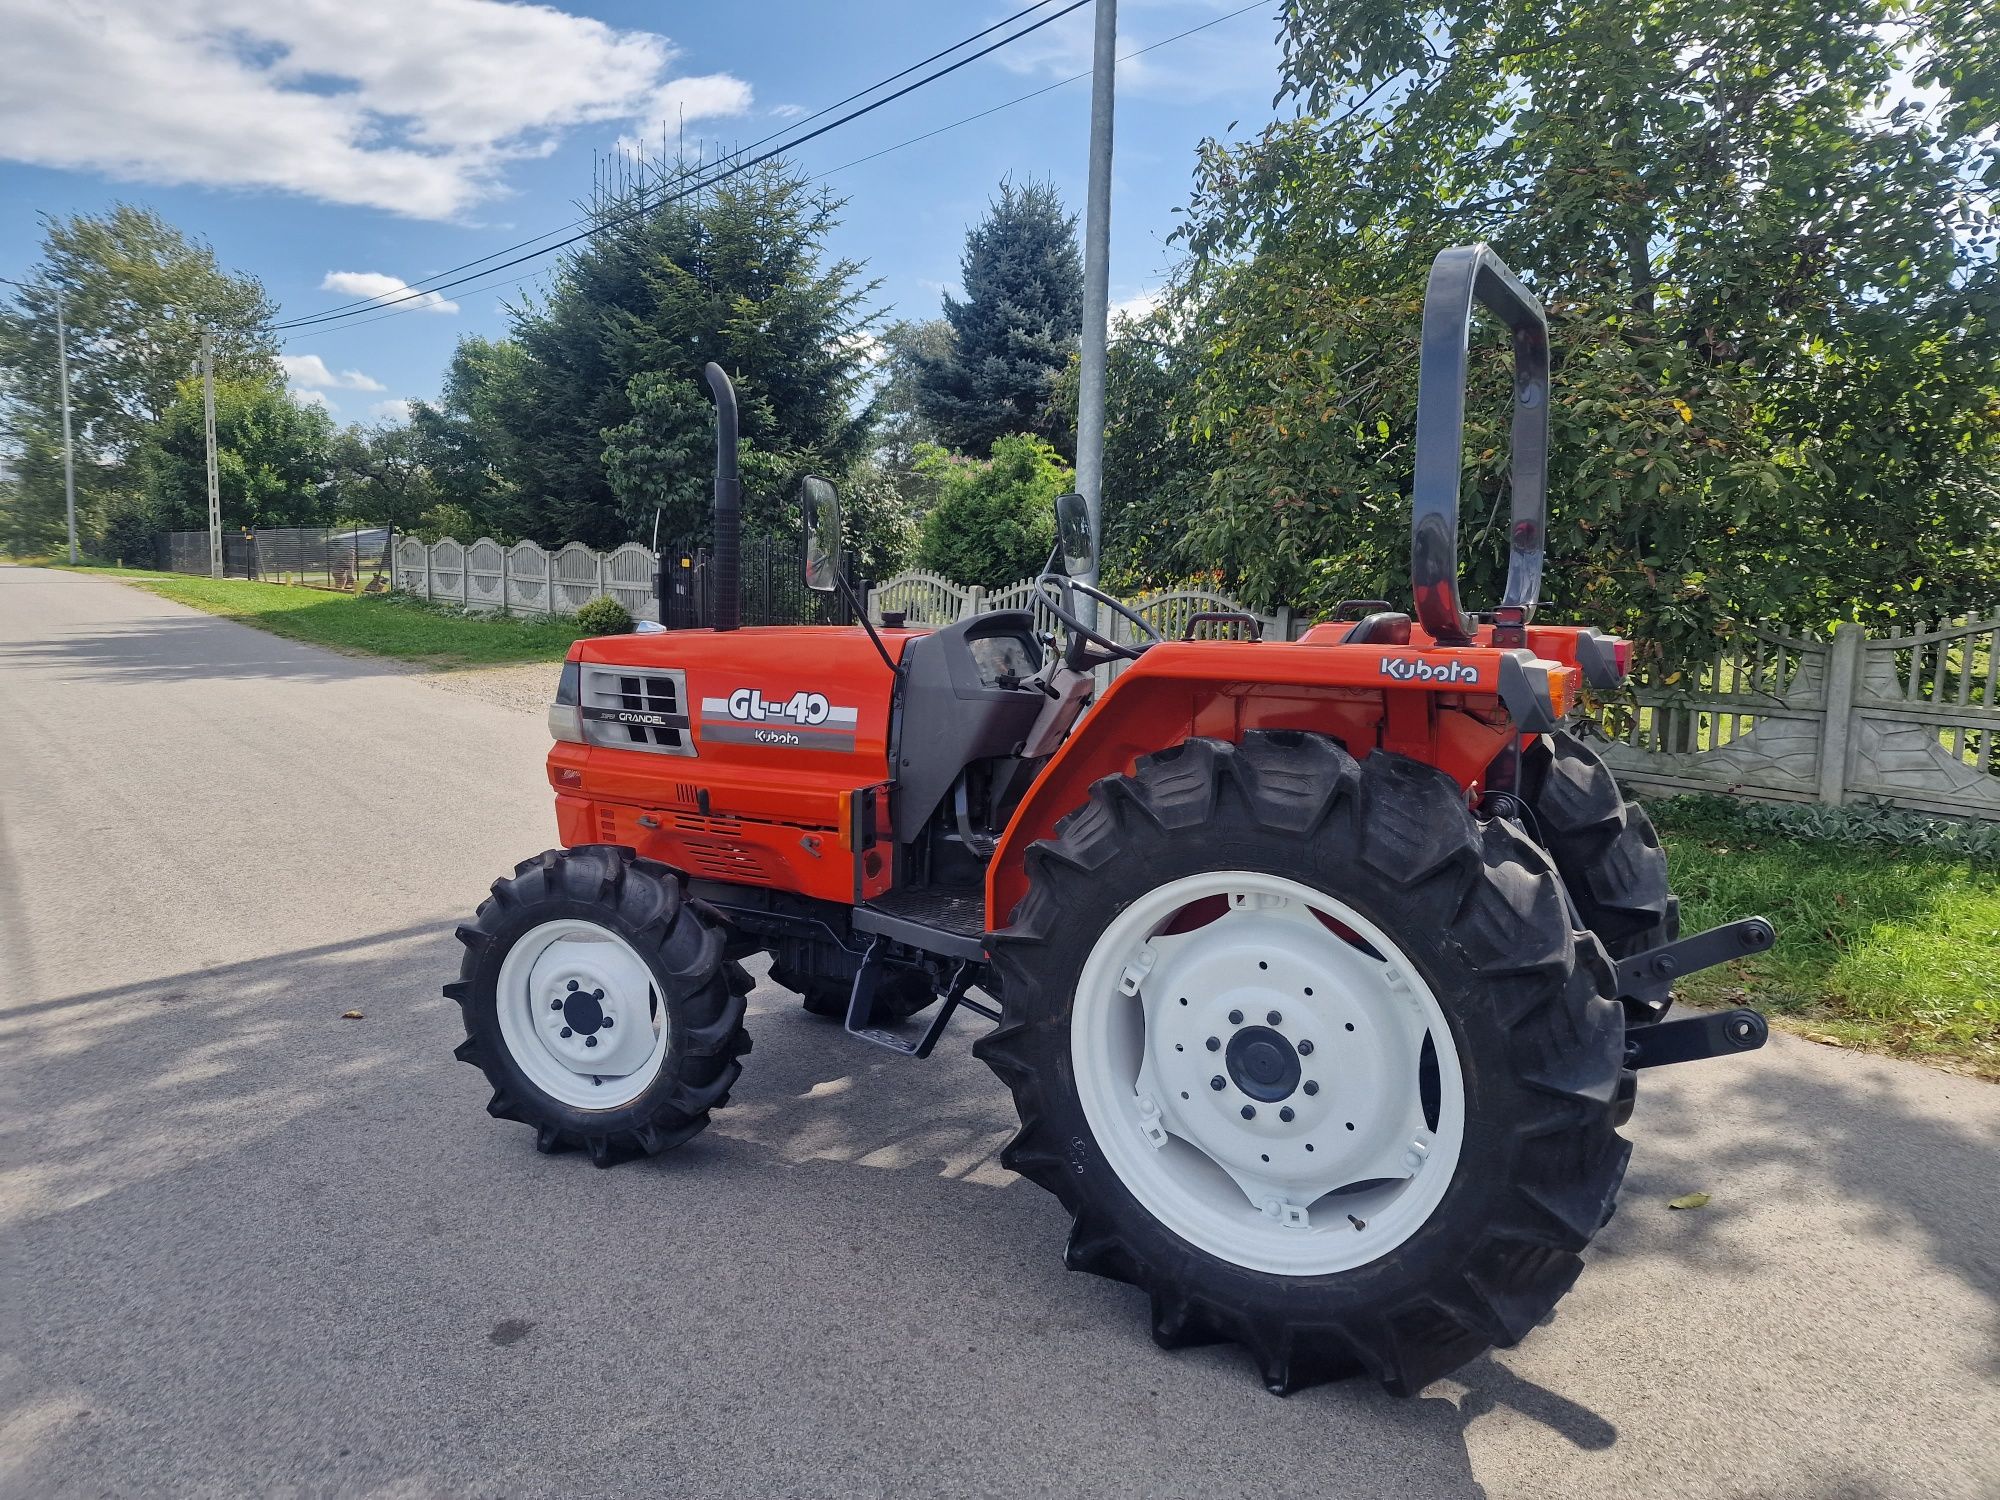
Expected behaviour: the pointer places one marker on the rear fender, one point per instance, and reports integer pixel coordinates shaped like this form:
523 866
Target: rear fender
1439 705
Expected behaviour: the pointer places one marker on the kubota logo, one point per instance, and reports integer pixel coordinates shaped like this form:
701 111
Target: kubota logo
1402 669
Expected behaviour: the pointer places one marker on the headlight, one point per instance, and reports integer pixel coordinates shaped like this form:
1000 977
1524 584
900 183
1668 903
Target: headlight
565 718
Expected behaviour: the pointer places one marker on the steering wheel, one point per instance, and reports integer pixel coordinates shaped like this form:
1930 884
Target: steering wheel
1056 591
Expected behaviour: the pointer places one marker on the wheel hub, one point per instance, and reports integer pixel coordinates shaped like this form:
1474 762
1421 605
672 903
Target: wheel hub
583 1009
580 1015
1263 1064
1281 1041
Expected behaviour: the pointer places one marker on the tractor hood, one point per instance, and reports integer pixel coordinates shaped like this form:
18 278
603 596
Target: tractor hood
734 755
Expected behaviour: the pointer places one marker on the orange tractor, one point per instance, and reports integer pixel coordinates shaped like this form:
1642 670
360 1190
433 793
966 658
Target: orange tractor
1321 971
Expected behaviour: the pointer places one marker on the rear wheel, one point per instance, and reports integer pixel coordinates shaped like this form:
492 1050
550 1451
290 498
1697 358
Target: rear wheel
599 1004
1604 847
1312 1057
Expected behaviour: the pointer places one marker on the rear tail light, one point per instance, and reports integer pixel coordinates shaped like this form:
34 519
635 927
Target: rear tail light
1605 659
1534 691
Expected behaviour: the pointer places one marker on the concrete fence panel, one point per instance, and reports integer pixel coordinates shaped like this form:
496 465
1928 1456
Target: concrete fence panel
527 591
485 575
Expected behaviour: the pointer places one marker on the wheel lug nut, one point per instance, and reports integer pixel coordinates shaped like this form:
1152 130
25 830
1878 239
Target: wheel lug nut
566 1033
574 986
1215 1044
1285 1114
1218 1083
1236 1018
607 1023
1311 1087
1249 1111
1274 1018
590 1041
555 1005
1305 1049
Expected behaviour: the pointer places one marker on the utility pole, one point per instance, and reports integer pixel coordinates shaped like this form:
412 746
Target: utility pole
214 483
69 448
1096 277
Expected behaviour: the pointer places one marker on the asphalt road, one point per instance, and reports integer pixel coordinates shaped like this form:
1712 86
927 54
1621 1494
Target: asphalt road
251 1248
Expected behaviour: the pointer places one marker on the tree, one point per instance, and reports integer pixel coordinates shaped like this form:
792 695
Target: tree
994 522
381 475
272 459
1772 288
466 440
900 425
136 294
1013 333
610 379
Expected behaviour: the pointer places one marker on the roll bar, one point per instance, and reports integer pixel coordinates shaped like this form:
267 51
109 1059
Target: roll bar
1459 277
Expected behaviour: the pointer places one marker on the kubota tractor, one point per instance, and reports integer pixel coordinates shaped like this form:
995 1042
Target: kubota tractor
1321 971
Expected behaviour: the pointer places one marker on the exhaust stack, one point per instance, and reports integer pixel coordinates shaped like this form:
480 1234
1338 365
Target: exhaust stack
728 503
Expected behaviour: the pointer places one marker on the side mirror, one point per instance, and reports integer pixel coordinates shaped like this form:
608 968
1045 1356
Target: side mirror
1073 542
821 503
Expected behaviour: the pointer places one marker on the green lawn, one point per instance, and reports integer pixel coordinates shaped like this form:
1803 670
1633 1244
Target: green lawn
1893 949
372 624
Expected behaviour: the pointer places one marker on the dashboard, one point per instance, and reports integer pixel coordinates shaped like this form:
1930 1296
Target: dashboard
1003 656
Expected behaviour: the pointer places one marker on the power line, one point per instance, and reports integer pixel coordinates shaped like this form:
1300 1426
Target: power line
1045 89
886 150
363 303
414 293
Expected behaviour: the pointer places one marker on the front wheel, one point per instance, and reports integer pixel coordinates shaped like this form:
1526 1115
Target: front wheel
1312 1057
599 1004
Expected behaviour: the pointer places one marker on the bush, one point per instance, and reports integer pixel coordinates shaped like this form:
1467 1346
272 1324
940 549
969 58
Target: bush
604 617
446 520
994 522
129 532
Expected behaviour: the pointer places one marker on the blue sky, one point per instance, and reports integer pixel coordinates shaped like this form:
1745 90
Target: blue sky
361 140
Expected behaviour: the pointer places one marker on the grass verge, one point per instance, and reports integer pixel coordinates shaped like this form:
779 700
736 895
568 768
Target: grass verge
1891 949
396 626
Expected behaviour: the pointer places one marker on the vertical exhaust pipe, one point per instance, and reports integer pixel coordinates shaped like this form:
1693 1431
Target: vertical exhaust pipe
728 503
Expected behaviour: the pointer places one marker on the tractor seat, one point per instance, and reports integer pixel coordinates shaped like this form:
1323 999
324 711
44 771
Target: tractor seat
1384 628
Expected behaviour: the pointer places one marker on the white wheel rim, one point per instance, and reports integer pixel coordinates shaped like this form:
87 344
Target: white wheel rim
1350 1021
580 1015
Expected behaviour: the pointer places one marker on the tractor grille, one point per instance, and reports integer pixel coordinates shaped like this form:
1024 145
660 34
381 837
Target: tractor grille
634 710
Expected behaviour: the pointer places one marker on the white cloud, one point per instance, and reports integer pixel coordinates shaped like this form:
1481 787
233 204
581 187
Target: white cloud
376 286
708 97
312 398
396 410
865 344
414 106
309 372
1137 306
787 111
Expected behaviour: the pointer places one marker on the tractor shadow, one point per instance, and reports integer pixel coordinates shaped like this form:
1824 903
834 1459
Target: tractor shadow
1844 1135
